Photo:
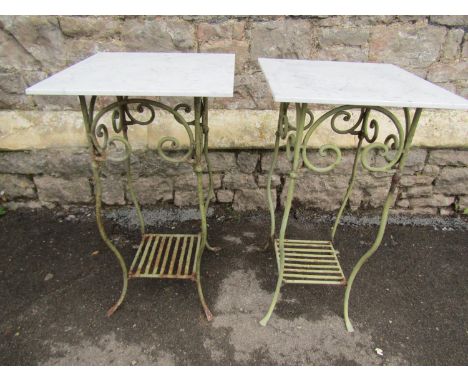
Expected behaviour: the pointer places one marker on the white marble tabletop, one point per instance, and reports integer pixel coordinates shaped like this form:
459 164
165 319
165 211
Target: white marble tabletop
144 74
349 83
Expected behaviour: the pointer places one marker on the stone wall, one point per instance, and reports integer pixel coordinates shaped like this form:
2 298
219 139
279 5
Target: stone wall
33 48
434 181
42 156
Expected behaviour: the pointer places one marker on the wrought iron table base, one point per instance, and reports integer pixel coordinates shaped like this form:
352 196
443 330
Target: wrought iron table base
158 256
305 262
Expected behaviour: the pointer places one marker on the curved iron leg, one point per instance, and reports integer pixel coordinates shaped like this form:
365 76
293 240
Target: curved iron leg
272 207
348 191
210 188
209 315
274 161
134 198
205 129
98 194
410 130
284 224
201 200
383 223
96 169
128 169
300 119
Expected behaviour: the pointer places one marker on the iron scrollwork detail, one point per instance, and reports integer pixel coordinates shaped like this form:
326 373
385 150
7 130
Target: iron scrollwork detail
122 116
366 128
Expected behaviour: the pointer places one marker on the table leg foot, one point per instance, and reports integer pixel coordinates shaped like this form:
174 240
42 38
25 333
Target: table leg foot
212 249
208 314
112 309
264 320
349 327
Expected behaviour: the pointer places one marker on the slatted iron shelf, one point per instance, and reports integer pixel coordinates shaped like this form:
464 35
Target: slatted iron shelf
166 256
310 262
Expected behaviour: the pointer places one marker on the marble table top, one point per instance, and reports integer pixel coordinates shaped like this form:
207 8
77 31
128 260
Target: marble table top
144 74
350 83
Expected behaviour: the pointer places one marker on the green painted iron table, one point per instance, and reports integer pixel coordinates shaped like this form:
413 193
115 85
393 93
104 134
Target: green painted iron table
128 77
366 91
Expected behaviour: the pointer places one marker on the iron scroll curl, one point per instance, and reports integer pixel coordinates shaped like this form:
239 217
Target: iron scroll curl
366 128
123 116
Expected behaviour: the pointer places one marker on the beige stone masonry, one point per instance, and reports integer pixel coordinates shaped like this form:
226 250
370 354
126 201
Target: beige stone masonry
229 129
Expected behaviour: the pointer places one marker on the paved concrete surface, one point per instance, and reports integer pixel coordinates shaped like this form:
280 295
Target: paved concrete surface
410 300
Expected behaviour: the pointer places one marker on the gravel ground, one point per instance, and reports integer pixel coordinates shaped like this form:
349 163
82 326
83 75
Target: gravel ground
410 301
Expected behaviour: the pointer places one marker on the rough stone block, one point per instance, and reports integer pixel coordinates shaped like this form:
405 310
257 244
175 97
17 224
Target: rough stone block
462 88
374 197
247 161
51 161
343 43
355 199
14 56
148 163
283 38
251 92
419 191
324 192
152 190
416 180
450 86
158 34
449 157
452 45
63 191
262 181
113 191
463 202
231 29
452 20
409 45
343 36
224 37
77 49
247 200
41 37
69 162
185 198
444 72
12 100
368 181
343 53
96 27
403 203
283 165
415 160
12 82
221 161
188 182
452 181
446 211
238 181
431 170
225 196
464 52
239 48
16 186
20 162
436 200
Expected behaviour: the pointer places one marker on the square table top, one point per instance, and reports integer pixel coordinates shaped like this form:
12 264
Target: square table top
144 74
351 83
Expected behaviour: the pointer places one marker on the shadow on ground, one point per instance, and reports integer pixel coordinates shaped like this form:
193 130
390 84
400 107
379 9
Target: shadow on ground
410 300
